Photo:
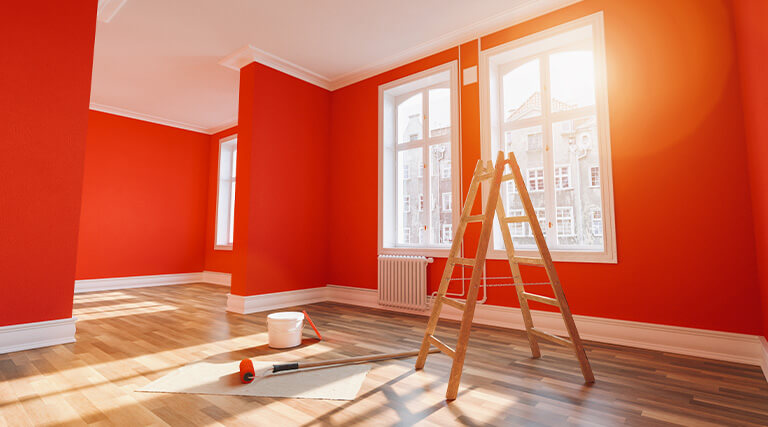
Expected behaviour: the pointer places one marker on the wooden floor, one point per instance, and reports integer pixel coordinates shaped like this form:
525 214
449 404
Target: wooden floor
128 338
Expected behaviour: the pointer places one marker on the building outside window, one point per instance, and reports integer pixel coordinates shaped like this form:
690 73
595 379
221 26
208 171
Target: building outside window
562 177
594 176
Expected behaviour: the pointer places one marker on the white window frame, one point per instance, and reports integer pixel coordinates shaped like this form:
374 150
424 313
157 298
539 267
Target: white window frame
528 141
489 137
388 148
224 193
536 179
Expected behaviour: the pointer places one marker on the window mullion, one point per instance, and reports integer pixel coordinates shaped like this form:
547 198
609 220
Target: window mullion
549 180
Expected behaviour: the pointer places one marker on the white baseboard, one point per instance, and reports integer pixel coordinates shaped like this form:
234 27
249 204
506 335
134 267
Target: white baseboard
27 336
216 278
112 283
717 345
256 303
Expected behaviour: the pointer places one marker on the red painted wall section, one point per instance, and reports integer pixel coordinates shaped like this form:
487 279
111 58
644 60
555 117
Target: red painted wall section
683 211
750 18
45 85
281 231
215 259
145 193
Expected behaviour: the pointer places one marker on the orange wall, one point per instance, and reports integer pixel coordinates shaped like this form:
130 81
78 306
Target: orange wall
752 37
683 212
215 260
145 192
281 198
45 80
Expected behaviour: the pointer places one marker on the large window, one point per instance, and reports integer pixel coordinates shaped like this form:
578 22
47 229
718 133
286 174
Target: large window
544 99
417 142
225 206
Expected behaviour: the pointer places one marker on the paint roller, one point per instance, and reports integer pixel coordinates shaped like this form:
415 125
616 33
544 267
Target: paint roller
248 373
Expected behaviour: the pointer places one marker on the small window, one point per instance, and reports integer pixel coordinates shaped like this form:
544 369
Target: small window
447 233
564 221
447 200
418 141
517 229
536 179
542 222
597 223
406 235
563 178
225 206
534 141
594 176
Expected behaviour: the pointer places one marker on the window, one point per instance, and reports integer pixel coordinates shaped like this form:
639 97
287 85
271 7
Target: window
565 221
594 176
543 98
597 223
534 141
447 200
406 235
517 229
562 177
542 222
447 233
536 179
416 118
225 203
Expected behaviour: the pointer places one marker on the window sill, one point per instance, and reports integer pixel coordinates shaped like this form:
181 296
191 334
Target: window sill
562 256
222 248
416 251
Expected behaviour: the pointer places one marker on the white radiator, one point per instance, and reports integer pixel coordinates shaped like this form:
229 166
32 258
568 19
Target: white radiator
403 281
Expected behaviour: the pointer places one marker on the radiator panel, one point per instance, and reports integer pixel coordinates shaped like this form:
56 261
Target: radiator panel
402 281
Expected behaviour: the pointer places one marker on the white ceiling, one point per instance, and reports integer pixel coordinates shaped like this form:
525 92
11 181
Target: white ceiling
158 60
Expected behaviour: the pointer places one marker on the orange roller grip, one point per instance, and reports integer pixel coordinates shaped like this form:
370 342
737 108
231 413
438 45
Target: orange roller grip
247 372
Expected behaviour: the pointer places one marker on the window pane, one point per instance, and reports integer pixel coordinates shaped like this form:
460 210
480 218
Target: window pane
441 197
409 190
439 112
575 151
234 163
531 164
521 89
572 77
409 119
232 214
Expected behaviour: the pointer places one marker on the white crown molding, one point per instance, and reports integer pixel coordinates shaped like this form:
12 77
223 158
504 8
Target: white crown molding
107 9
523 12
256 303
148 118
247 54
27 336
221 127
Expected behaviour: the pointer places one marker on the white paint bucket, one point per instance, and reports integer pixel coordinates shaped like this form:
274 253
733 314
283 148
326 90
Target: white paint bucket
284 329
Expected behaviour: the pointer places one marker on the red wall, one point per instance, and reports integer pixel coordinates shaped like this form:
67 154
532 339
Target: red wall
281 200
752 36
683 211
145 192
215 260
45 80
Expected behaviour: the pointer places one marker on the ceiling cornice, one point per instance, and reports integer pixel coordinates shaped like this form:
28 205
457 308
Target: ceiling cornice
247 54
158 120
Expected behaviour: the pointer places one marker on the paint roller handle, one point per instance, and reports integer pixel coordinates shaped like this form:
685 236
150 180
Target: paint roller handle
346 361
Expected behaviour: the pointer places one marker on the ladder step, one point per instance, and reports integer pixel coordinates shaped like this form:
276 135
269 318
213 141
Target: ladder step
508 177
510 219
454 303
527 260
464 261
441 345
551 337
475 218
541 299
484 176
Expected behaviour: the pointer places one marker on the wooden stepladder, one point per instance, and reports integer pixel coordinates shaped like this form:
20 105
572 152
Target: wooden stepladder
495 206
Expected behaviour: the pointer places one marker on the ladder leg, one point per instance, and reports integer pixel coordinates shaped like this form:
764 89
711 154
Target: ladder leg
510 248
463 341
573 332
